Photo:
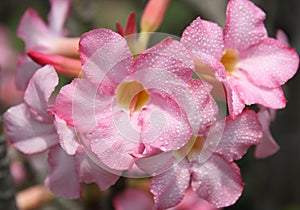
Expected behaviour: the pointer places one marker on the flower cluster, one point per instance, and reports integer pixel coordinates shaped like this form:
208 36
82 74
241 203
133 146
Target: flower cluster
156 112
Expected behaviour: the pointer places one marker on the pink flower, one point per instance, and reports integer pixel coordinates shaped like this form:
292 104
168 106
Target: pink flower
127 108
30 129
208 165
46 38
252 66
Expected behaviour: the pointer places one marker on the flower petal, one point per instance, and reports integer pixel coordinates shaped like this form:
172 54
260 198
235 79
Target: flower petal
33 30
164 123
281 36
81 105
58 15
110 146
169 188
205 40
63 177
157 163
25 70
192 201
67 136
38 92
244 25
217 181
268 146
269 63
105 57
27 132
90 172
235 103
252 94
168 55
183 91
234 137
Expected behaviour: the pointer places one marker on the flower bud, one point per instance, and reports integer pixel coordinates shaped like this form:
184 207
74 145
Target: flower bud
66 66
153 15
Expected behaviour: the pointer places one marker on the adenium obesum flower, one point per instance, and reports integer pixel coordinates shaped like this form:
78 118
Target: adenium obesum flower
208 165
46 38
251 66
129 107
32 128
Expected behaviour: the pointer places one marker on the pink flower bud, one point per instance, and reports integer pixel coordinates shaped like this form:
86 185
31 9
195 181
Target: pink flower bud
66 66
153 15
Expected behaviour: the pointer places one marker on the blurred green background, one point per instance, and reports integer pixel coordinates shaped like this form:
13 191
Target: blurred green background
272 183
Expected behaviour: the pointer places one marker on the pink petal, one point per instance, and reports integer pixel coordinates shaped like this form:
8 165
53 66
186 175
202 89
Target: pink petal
90 172
131 199
80 105
158 163
27 132
58 15
192 201
67 136
183 91
234 102
269 63
244 25
33 31
63 177
281 36
234 137
107 60
217 181
65 66
169 188
38 92
205 41
112 149
268 146
63 106
171 75
168 55
25 70
250 94
164 123
206 106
